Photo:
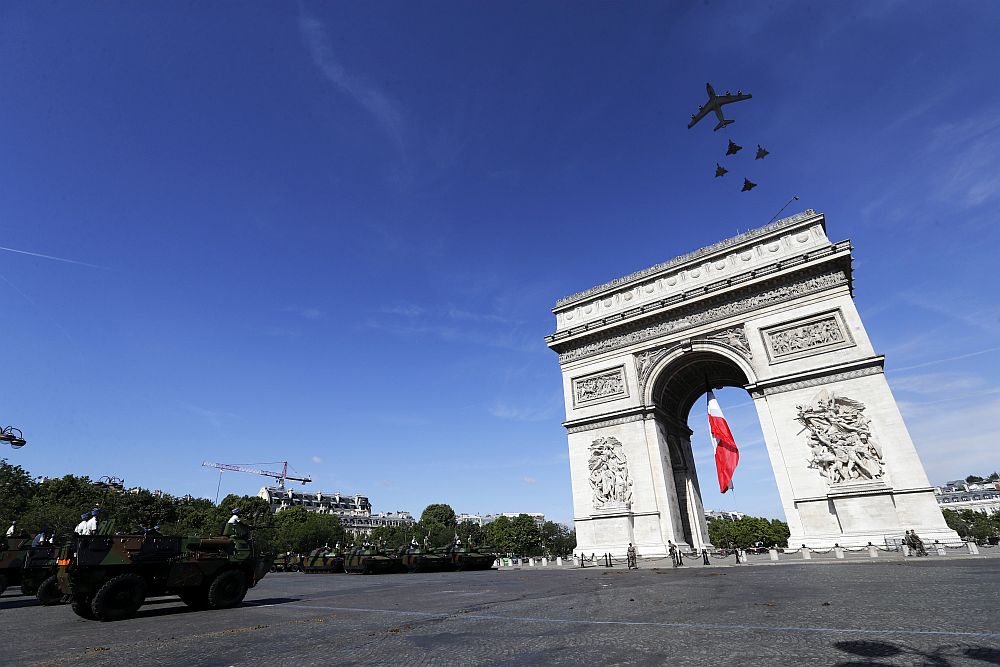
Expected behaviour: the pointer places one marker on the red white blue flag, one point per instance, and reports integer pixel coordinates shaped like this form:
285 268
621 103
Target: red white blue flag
726 453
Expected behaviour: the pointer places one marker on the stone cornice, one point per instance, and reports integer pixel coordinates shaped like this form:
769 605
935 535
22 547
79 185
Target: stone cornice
818 376
726 244
831 252
697 314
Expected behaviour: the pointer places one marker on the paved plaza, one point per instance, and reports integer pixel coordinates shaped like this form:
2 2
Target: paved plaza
933 612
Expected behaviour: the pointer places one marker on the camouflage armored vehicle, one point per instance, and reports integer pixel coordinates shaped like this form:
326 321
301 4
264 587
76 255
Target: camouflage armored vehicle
287 562
109 577
371 560
12 553
34 568
323 559
468 558
416 558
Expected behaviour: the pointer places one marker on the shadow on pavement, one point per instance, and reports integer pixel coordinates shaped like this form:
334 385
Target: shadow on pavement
942 655
182 608
20 601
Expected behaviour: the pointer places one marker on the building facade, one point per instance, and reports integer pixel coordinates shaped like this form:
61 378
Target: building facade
483 519
355 512
960 495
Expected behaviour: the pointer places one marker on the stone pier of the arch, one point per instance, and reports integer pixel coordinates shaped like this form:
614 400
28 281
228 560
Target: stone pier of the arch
772 311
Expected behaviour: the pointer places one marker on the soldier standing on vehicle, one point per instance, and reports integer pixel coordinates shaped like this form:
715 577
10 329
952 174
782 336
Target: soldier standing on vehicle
39 539
233 526
82 528
92 521
13 528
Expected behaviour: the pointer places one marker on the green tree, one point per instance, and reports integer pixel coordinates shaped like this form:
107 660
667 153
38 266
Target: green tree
16 491
557 539
439 513
58 503
500 535
748 531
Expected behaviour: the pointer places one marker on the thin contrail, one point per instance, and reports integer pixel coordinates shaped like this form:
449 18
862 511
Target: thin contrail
58 259
946 359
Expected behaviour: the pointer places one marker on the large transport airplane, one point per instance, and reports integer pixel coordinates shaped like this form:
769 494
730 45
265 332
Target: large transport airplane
715 103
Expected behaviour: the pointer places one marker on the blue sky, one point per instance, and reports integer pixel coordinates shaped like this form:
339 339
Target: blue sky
332 233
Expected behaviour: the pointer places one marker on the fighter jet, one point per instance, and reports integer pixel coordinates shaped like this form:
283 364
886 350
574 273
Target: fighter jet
761 153
747 185
733 148
715 103
720 170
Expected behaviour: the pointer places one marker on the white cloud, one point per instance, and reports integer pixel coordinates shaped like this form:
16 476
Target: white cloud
937 384
312 314
377 103
956 440
502 410
317 460
405 310
529 480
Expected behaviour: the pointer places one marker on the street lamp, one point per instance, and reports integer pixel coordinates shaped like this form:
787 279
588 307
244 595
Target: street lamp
13 436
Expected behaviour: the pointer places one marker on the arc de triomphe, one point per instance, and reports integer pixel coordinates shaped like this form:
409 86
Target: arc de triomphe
770 310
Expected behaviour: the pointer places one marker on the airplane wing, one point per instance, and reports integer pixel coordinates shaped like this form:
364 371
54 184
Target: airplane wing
729 99
702 112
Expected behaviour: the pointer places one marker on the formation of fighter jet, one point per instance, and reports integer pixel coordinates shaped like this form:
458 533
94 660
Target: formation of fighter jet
761 152
715 103
720 170
733 148
748 185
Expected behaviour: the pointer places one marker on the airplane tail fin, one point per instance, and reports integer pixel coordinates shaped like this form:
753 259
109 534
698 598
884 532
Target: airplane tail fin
723 123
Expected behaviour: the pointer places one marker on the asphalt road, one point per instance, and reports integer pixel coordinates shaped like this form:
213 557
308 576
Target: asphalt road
870 613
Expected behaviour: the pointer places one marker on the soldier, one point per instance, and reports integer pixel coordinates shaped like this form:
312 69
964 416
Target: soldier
92 521
631 557
13 528
918 543
39 539
233 527
83 528
673 553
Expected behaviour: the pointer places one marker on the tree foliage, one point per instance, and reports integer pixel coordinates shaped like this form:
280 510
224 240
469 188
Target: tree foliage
981 527
748 531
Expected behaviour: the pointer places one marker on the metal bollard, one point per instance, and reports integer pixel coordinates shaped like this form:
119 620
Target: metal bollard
806 554
545 561
838 551
773 552
872 550
940 549
559 561
531 562
906 550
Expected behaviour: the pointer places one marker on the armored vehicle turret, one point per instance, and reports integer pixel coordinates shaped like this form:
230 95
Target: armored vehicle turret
109 577
371 560
286 562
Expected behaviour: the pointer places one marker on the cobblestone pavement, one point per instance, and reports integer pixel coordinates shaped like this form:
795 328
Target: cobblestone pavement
876 613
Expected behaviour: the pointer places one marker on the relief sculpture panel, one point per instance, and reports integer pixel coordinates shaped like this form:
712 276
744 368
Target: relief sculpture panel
840 440
816 334
605 385
609 478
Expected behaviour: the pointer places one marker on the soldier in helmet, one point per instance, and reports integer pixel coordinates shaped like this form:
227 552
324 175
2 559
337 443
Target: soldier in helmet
233 527
83 527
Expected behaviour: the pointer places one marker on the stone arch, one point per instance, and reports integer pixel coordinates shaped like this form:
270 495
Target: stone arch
771 311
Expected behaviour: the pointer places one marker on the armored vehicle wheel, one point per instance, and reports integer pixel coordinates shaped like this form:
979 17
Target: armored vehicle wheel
82 608
196 598
120 597
48 592
293 568
227 590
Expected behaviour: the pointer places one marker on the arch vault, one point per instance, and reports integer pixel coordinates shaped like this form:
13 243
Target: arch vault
771 311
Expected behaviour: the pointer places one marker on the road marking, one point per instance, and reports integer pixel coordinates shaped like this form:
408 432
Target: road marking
688 626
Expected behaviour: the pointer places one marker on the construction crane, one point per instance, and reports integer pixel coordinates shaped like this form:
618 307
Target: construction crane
280 476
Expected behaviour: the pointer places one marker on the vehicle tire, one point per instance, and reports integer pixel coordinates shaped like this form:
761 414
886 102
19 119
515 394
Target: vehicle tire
82 608
48 592
293 568
273 569
196 598
120 597
227 590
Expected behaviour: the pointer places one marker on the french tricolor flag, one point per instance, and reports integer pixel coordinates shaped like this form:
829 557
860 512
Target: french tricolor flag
726 453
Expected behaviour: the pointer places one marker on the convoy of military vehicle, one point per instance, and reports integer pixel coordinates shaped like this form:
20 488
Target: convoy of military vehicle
109 577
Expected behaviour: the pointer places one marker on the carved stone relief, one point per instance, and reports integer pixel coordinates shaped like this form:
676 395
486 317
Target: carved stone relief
817 334
735 337
702 316
609 478
840 439
599 386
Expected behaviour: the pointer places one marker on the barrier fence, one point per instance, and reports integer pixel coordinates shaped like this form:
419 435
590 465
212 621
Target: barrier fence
680 558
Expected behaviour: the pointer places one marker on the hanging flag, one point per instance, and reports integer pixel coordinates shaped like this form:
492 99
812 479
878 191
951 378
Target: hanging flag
726 453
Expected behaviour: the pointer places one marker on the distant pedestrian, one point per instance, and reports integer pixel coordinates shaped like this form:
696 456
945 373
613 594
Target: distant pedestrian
631 557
